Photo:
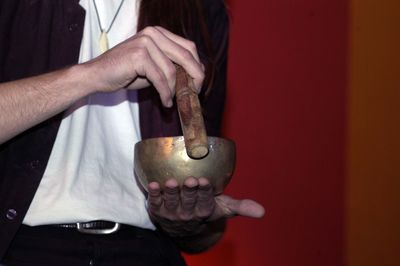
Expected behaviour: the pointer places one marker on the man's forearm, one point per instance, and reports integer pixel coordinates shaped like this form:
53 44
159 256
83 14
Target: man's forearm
27 102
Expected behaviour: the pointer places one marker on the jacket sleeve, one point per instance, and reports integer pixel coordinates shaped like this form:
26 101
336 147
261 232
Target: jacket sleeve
7 9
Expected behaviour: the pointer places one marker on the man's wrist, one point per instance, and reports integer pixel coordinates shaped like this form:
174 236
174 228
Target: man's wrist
200 240
84 78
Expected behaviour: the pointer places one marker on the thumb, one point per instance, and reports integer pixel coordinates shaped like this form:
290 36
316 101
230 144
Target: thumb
246 207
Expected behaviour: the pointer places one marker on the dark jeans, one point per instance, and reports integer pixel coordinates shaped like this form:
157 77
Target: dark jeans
49 245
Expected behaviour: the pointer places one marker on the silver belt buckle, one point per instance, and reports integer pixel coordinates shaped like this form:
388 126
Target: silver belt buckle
106 231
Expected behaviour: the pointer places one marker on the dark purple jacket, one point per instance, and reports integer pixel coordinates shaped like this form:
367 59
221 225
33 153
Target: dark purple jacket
38 36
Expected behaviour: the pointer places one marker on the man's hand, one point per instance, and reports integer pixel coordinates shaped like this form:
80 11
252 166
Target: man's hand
188 211
148 57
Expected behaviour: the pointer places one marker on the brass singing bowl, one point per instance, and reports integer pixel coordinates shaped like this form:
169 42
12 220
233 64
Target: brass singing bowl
160 159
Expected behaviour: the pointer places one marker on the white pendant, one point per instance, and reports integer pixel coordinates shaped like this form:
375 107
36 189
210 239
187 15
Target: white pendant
103 42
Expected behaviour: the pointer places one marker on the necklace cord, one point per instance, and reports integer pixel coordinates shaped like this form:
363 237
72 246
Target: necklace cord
112 22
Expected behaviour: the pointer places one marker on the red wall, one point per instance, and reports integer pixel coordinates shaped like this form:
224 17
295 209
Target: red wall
286 112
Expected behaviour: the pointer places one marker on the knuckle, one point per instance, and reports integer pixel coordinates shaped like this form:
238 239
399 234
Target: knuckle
169 219
153 194
185 216
171 204
171 71
155 202
206 197
204 213
192 46
154 211
160 79
140 54
189 203
186 55
144 40
149 30
173 189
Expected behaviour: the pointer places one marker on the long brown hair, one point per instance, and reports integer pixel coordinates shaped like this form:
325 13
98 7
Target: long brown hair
185 18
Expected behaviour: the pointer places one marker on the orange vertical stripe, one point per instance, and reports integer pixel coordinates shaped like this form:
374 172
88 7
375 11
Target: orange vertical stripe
373 231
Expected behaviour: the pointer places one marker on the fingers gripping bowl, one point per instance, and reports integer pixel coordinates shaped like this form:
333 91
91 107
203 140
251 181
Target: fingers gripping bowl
160 159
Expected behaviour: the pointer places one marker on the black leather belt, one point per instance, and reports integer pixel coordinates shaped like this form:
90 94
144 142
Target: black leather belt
93 227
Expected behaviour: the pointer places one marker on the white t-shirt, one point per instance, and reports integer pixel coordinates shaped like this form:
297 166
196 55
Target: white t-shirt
90 173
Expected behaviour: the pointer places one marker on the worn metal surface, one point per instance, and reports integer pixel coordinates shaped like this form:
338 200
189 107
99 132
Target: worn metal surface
160 159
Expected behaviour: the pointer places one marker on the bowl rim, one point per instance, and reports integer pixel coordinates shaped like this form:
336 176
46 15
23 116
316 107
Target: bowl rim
228 140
